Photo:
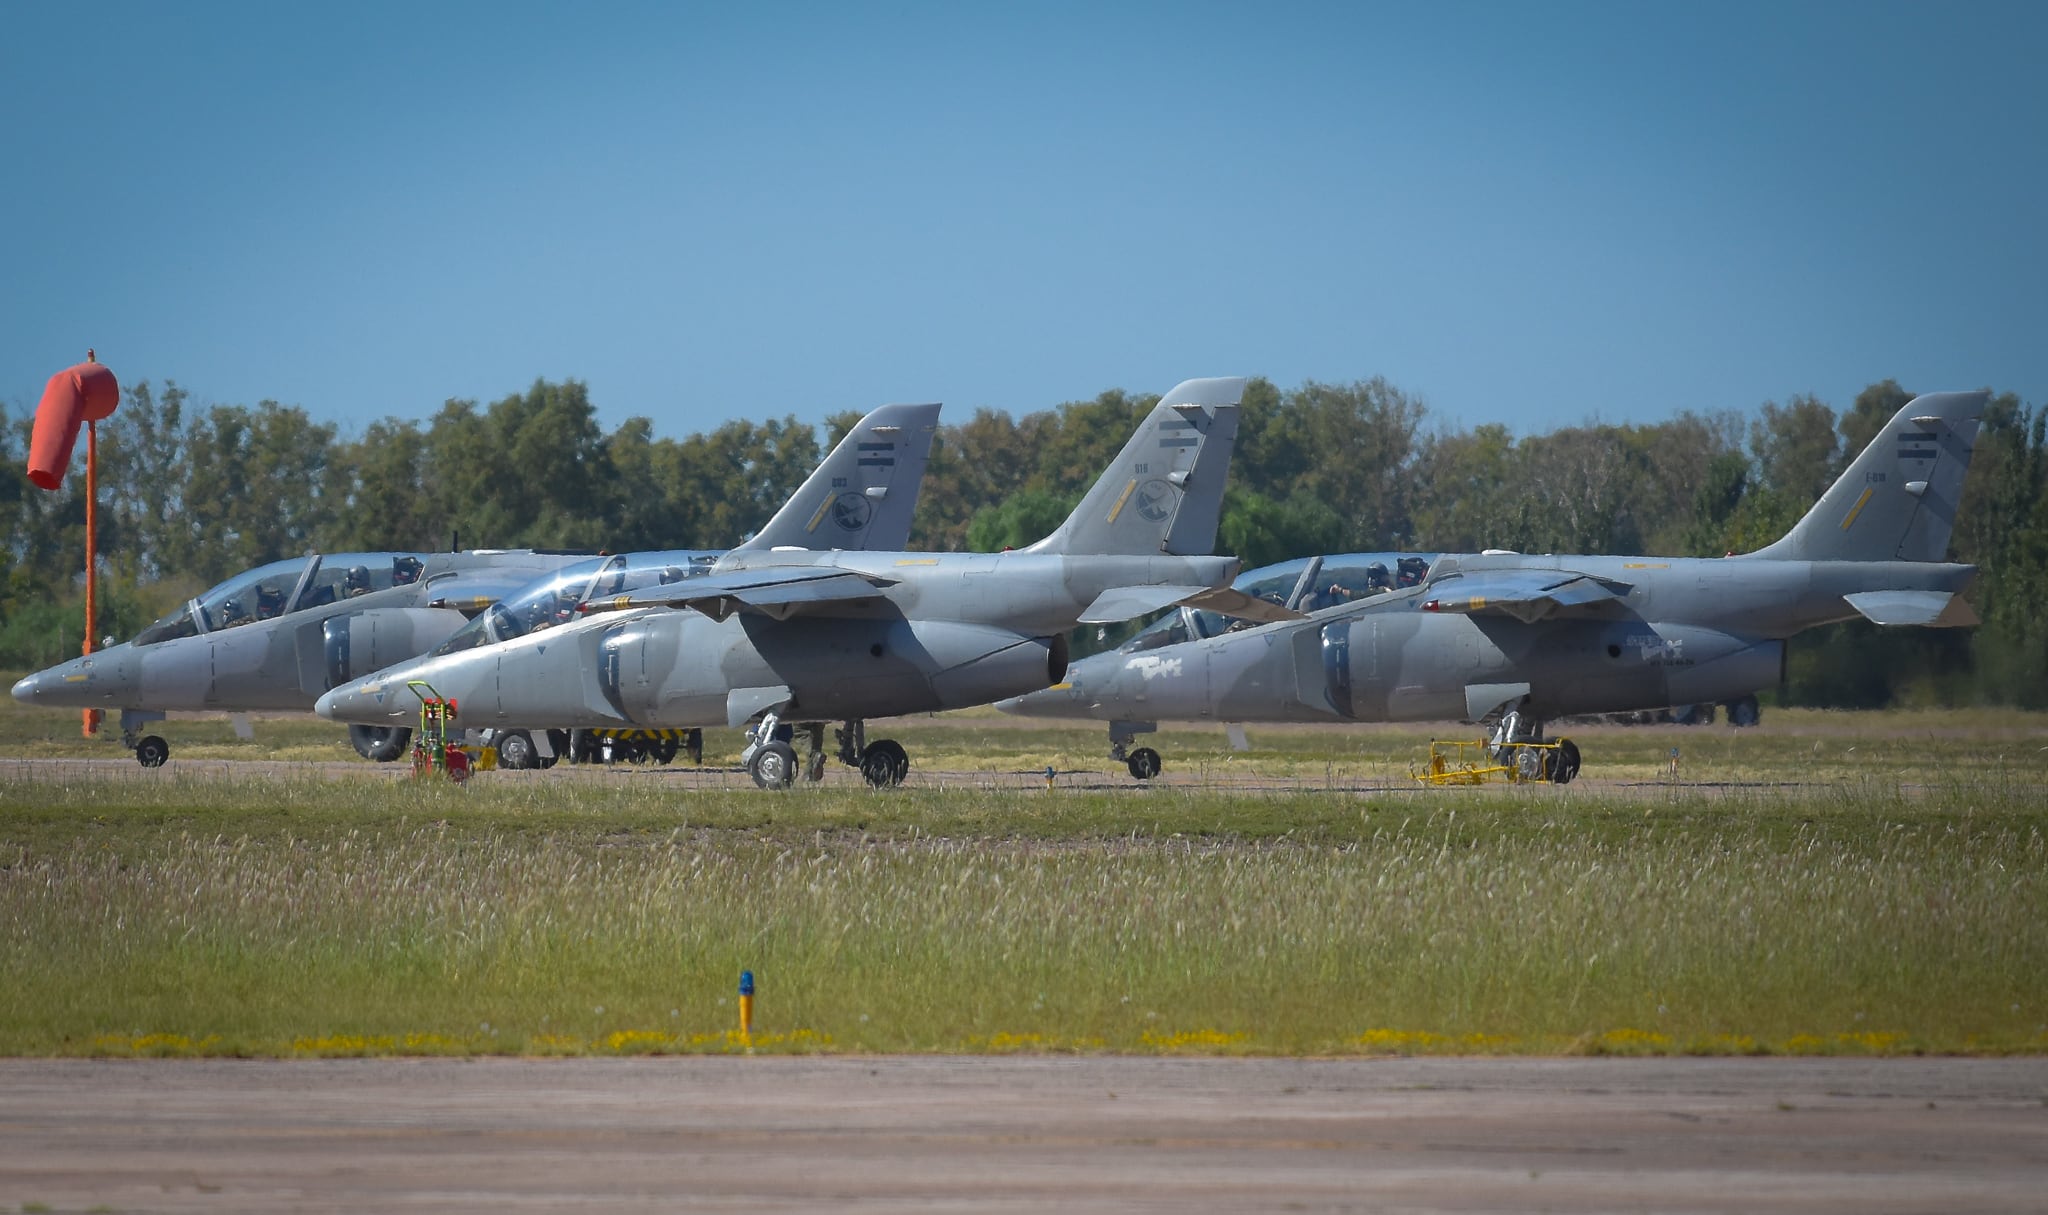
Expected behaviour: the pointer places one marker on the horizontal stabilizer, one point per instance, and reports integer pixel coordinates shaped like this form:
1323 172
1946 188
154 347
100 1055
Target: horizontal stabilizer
1525 595
778 592
1931 609
1120 603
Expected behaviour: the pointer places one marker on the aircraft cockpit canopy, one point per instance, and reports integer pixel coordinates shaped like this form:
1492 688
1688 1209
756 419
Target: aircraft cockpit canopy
1306 584
557 598
291 585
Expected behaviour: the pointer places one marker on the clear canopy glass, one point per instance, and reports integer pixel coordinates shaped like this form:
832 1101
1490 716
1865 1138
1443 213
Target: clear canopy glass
291 585
556 598
1306 584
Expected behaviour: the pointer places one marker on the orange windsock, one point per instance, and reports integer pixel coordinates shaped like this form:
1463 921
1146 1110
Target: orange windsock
74 396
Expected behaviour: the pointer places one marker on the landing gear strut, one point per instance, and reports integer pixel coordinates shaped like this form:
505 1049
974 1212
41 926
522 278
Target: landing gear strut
769 760
150 750
1517 741
1143 763
772 760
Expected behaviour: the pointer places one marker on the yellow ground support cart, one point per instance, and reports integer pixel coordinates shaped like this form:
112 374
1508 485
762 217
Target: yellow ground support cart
433 747
1475 763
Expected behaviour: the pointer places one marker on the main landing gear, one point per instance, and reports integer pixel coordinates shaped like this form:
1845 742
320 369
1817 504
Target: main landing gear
1517 741
1143 763
771 757
382 744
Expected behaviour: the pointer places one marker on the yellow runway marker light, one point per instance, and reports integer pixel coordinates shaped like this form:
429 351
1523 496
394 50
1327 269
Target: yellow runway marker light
747 1006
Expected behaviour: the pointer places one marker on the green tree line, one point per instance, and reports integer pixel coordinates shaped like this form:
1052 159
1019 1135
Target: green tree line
191 494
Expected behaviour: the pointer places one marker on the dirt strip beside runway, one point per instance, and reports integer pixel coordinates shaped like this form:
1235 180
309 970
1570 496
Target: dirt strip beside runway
1007 1134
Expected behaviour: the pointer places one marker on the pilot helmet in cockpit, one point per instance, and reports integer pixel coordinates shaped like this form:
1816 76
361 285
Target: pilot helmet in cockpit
405 570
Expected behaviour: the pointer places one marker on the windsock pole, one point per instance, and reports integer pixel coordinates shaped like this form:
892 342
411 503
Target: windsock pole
93 717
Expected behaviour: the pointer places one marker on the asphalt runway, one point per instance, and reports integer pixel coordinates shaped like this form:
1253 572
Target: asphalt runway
1009 1134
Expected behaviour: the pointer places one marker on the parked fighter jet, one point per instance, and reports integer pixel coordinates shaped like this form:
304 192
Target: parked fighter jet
787 638
1515 640
279 636
866 491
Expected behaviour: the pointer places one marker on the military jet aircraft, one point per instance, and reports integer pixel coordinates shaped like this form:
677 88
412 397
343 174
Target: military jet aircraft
279 636
866 491
1515 639
785 639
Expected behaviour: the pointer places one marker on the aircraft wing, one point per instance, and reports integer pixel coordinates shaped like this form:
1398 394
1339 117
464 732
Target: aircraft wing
780 593
1126 602
1229 601
1525 595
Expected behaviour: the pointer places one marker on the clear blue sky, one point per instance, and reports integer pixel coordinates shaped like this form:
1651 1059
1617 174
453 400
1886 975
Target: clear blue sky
1532 213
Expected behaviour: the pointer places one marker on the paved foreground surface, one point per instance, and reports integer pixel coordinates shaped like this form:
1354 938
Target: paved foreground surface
1004 1134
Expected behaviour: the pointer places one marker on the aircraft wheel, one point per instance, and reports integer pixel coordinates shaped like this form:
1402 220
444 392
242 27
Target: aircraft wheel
773 766
380 743
1532 764
1144 763
693 746
152 751
558 742
516 750
884 763
1565 765
632 750
1744 712
665 749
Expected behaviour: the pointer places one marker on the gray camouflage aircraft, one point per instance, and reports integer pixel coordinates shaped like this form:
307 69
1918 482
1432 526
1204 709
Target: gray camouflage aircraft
1516 639
279 636
783 639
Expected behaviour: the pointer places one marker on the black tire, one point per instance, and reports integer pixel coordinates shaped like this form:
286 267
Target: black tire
558 742
665 749
773 766
636 751
1533 763
1144 763
693 746
152 751
1744 712
884 763
380 743
1565 765
516 751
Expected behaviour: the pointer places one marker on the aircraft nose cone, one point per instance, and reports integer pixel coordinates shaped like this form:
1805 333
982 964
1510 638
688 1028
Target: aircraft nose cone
359 705
28 688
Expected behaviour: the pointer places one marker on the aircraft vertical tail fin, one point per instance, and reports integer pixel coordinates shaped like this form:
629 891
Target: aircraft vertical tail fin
1897 501
1164 491
863 495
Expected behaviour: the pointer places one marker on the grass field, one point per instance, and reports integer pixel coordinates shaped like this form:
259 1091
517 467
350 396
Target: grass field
1826 883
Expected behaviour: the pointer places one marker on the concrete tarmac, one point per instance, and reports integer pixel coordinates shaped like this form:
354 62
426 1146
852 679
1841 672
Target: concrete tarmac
1025 1134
